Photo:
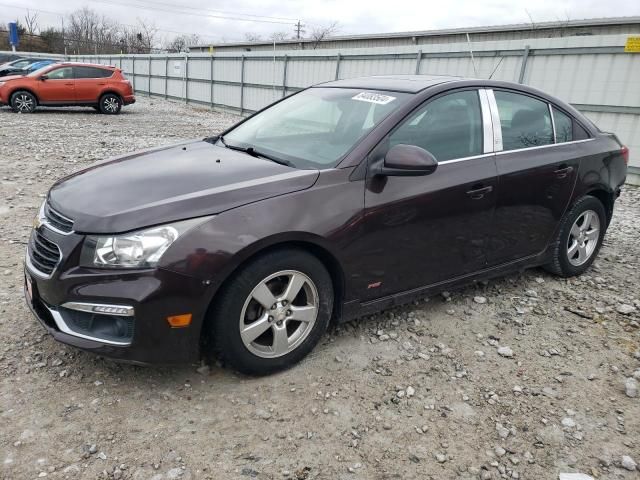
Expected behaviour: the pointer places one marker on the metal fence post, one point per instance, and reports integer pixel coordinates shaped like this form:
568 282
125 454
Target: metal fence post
133 73
186 78
284 76
523 65
338 57
149 77
242 86
211 75
166 77
418 60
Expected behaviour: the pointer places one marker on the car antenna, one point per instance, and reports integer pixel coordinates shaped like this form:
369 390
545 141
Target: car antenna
495 69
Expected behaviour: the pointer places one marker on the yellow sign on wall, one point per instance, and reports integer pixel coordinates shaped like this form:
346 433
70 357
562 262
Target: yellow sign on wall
632 45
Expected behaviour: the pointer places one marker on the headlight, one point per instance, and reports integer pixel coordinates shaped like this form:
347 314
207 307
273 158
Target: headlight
141 249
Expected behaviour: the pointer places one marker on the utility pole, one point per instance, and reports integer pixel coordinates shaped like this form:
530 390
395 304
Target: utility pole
299 29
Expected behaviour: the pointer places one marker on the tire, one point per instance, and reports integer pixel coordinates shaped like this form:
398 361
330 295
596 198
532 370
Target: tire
110 104
236 308
23 102
569 258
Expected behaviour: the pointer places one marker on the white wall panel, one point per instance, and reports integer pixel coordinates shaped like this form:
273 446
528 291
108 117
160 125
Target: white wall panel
200 91
625 126
599 75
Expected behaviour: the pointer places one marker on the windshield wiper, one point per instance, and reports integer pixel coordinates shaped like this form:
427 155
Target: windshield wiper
255 153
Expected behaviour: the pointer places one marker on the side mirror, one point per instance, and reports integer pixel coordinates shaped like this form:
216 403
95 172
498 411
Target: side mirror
44 77
406 161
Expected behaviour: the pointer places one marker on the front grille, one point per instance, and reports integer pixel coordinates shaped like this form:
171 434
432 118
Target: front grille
43 253
56 220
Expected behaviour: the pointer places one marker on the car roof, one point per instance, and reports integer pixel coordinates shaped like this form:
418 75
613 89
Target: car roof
81 64
395 83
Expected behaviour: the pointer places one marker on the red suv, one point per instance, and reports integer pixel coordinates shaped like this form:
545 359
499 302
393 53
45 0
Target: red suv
64 84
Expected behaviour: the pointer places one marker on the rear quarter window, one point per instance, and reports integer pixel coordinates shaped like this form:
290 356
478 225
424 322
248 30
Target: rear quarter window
564 126
92 72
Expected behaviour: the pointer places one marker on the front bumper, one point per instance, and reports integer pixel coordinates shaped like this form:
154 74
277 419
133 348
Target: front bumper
153 294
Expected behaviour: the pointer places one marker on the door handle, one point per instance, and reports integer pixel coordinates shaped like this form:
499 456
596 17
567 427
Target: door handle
478 193
563 171
69 84
102 84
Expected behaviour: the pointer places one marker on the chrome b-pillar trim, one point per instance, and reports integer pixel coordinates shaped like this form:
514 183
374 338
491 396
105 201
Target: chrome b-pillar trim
495 120
487 124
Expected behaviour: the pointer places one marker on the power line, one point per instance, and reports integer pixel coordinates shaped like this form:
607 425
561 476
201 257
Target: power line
223 12
60 14
195 14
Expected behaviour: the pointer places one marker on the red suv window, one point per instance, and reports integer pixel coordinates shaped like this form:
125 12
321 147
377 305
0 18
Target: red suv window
91 72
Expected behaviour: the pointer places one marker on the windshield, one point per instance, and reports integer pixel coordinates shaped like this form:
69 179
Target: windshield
317 127
19 63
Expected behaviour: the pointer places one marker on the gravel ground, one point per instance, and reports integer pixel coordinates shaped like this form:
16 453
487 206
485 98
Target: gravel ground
528 376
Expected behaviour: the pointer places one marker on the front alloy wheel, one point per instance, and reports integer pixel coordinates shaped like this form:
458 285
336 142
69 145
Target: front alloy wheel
271 314
23 102
279 314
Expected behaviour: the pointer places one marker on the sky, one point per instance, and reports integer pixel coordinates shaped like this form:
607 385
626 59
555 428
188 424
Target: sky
203 17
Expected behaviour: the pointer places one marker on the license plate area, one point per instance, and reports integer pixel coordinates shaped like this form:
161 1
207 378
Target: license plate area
29 287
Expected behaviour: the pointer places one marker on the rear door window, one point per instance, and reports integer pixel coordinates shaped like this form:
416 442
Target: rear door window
525 121
564 126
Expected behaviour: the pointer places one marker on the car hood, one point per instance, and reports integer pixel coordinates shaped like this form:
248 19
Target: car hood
10 77
167 184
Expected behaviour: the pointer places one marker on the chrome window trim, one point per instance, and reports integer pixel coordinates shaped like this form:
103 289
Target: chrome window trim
503 152
553 124
89 307
63 327
487 124
464 159
495 120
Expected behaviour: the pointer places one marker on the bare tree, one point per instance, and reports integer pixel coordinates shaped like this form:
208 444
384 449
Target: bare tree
88 32
182 43
147 32
31 23
279 36
140 38
252 37
319 34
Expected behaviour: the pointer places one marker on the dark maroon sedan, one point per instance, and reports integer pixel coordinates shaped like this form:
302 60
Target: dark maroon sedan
338 201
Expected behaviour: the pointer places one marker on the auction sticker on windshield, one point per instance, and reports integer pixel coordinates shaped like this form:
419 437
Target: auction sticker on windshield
373 98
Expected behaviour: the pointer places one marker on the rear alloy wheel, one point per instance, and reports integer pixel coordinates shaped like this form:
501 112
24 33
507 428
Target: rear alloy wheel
23 102
583 238
579 238
110 104
273 312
